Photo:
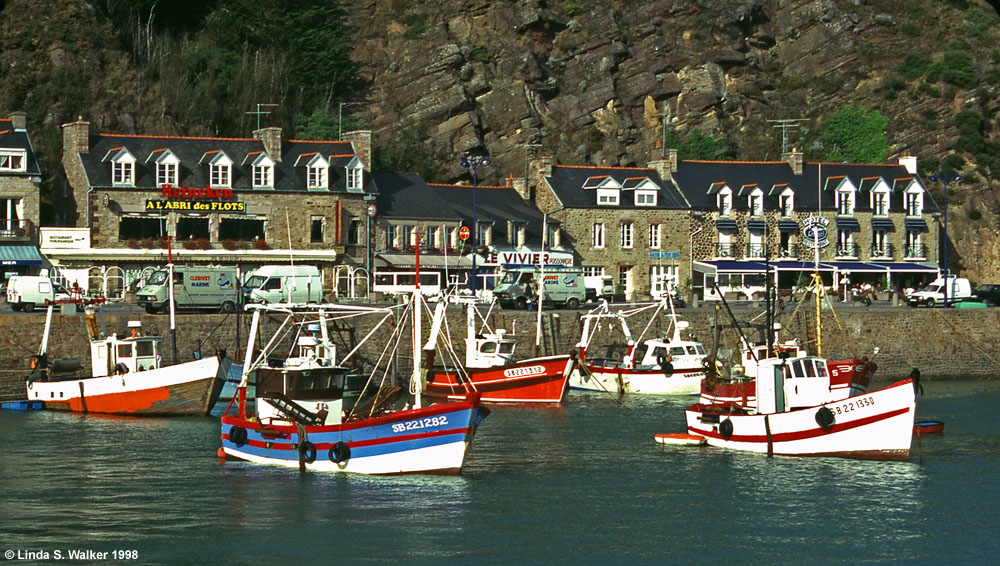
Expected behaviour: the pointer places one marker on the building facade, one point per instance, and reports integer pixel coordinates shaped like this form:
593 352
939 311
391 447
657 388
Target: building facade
20 179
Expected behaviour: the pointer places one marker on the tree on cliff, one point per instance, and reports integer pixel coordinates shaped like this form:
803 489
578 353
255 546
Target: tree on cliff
856 136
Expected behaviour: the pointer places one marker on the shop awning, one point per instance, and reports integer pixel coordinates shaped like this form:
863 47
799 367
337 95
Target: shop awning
20 255
711 267
882 224
853 266
407 260
756 225
725 224
915 225
847 224
788 226
903 267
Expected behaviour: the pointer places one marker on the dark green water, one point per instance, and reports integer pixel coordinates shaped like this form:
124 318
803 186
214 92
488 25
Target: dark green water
584 484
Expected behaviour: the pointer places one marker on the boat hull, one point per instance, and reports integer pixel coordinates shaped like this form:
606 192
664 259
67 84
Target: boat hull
430 440
190 388
618 380
873 426
535 380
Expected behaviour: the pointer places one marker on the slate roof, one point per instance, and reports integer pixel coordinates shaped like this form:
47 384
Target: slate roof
700 182
496 205
568 182
193 168
18 139
407 196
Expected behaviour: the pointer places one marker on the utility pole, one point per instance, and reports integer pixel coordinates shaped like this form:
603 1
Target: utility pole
666 116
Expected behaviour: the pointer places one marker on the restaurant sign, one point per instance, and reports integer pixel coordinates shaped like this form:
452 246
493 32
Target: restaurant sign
195 199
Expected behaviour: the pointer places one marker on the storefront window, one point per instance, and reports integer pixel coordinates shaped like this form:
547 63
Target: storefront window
137 227
241 229
192 228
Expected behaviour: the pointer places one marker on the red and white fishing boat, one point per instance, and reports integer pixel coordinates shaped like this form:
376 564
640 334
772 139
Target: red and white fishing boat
126 378
491 366
657 366
797 415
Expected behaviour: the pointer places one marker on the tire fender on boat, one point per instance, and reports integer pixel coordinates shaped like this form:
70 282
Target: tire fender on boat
726 429
339 452
308 452
238 435
825 418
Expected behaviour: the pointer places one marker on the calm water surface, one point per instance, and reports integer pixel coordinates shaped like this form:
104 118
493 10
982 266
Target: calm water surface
583 484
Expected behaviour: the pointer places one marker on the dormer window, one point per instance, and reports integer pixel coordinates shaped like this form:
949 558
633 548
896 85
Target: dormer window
880 203
261 170
607 197
317 170
645 198
725 202
355 175
122 166
12 160
845 203
519 234
914 202
220 168
484 235
755 203
165 165
786 202
554 237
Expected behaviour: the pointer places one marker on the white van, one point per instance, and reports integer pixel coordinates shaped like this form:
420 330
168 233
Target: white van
285 284
25 292
933 294
212 288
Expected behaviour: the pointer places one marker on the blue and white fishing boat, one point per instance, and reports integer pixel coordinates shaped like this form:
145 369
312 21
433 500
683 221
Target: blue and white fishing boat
300 418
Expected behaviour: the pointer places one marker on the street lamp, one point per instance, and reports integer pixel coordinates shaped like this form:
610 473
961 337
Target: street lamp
541 275
474 162
944 178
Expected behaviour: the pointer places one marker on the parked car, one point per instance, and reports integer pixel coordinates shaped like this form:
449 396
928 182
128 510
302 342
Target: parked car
989 294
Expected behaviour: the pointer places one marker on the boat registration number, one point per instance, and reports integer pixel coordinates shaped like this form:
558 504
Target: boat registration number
420 423
520 372
852 405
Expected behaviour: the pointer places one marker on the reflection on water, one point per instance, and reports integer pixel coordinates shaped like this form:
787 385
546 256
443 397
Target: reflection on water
584 483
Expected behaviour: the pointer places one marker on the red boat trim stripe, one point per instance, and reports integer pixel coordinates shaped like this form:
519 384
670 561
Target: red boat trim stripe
354 444
805 434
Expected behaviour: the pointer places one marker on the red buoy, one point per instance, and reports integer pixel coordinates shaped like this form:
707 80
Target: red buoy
222 454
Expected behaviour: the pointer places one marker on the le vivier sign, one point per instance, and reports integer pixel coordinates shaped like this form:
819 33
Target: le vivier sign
195 199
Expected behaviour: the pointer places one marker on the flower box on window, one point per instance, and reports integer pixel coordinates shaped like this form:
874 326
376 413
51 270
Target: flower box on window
162 242
230 244
259 245
132 243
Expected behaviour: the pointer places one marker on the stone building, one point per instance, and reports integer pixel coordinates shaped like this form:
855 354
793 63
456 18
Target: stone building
20 177
226 201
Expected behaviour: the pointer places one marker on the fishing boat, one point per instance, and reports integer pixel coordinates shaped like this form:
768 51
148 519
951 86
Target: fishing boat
492 368
796 415
300 418
659 366
127 377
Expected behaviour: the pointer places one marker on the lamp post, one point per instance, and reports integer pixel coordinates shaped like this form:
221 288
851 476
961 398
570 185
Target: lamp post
541 275
474 162
944 178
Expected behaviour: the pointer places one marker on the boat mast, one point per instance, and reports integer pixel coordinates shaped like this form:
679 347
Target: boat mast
416 380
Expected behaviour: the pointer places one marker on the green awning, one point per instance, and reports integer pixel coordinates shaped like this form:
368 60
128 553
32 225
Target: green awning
20 255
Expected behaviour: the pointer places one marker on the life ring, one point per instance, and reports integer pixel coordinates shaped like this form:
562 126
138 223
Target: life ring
339 452
238 435
307 451
824 417
726 429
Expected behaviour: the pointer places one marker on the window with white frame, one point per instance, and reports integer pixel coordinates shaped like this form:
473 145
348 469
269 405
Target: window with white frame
555 237
654 236
914 245
645 198
263 175
662 279
845 202
484 236
725 202
757 248
880 203
607 197
880 243
123 172
597 236
627 231
725 244
219 174
914 203
12 160
787 203
755 203
354 178
317 176
593 270
166 173
845 244
519 235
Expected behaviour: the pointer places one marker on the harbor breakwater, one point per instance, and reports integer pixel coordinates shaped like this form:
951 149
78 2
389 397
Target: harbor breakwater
942 343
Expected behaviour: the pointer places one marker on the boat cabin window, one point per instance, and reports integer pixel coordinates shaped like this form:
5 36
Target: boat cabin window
763 354
488 347
507 347
810 370
144 348
124 351
797 367
677 350
820 369
700 349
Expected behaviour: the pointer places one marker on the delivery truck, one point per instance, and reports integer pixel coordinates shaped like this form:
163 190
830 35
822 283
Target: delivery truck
213 288
285 284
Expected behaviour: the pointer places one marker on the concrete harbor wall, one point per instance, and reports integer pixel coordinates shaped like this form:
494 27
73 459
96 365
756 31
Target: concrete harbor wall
943 344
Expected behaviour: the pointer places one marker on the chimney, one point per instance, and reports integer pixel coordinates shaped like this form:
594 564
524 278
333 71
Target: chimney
19 120
666 166
76 137
520 185
271 137
909 162
541 166
794 159
361 141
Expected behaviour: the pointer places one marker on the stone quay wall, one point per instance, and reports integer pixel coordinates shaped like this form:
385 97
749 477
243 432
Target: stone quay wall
943 344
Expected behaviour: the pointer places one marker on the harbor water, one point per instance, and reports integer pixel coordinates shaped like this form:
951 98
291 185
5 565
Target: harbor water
580 484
